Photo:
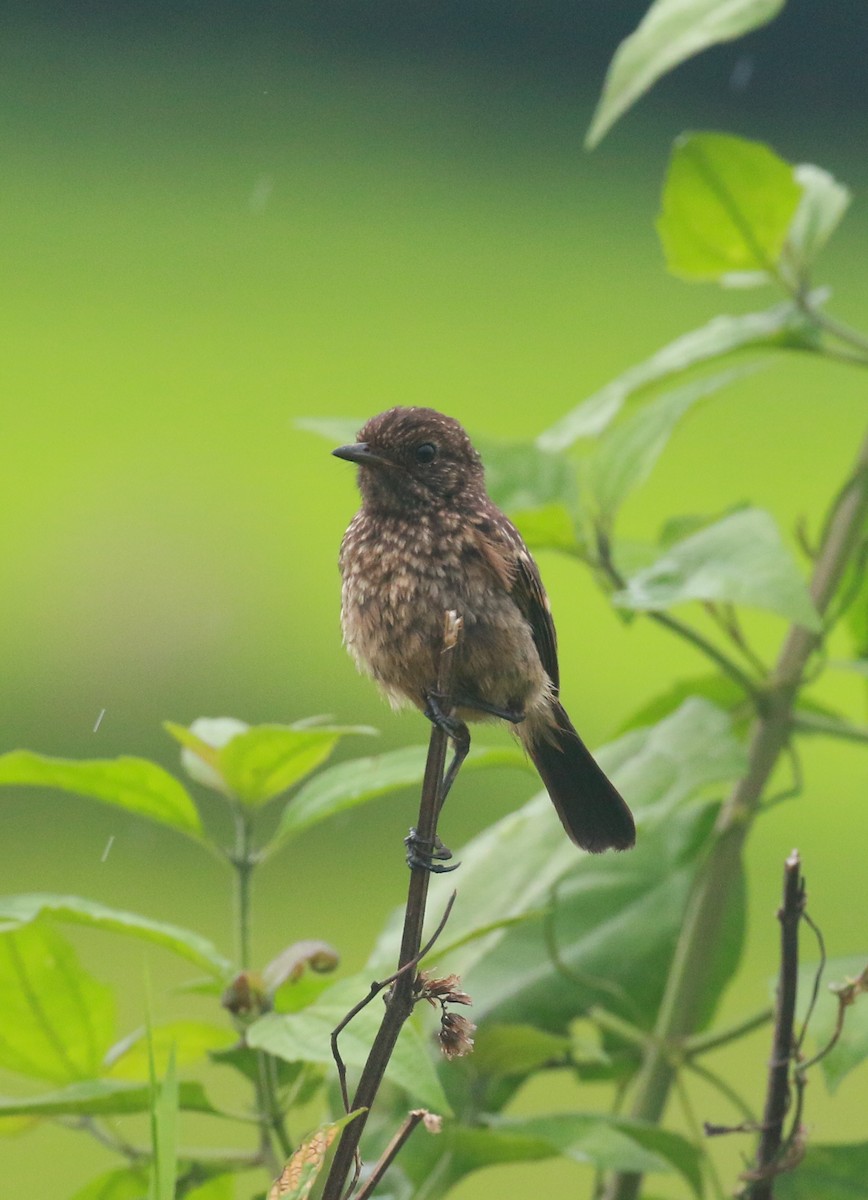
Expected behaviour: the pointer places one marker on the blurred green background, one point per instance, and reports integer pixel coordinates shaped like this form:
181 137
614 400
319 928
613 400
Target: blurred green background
216 220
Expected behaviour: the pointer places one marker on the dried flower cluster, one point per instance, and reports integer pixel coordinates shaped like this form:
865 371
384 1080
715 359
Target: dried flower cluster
456 1032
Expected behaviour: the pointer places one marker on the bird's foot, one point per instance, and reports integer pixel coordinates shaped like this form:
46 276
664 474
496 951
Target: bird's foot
428 856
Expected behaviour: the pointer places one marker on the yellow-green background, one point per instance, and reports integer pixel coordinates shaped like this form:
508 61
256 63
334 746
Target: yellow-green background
216 221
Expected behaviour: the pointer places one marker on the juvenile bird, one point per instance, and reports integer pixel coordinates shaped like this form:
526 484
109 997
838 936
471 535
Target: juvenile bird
428 539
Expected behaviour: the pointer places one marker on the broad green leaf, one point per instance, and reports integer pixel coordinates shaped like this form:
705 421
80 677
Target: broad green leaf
221 1187
165 1100
57 1020
602 1141
627 452
617 917
516 1049
134 784
188 1041
826 1173
719 689
268 760
300 1173
740 559
124 1183
550 528
851 1049
522 476
671 32
821 208
615 1143
777 327
727 207
19 910
256 763
306 1037
349 784
102 1098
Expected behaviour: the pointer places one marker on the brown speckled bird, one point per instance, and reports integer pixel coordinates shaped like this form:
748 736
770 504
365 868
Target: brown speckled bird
428 539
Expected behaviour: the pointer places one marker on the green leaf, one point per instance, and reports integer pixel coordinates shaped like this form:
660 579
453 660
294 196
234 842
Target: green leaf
826 1173
124 1183
614 1144
781 326
670 32
740 559
188 1041
822 206
57 1020
522 476
134 784
306 1037
102 1098
727 207
851 1049
549 528
20 909
719 689
257 763
165 1099
516 1049
349 784
617 917
626 454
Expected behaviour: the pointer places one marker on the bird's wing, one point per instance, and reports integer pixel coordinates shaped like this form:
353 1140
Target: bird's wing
503 548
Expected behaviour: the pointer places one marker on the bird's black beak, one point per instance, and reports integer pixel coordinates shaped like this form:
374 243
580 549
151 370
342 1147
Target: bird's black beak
361 453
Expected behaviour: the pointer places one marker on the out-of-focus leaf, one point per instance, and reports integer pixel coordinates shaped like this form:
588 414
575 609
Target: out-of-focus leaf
190 1041
349 784
720 690
19 910
57 1019
221 1187
617 916
165 1101
826 1173
851 1049
613 1143
255 763
781 326
124 1183
340 431
306 1037
549 528
297 1178
670 32
727 207
859 665
821 209
134 784
523 476
516 1049
289 966
102 1098
740 559
627 452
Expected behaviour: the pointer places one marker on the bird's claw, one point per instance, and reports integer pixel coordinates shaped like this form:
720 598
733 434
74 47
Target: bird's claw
428 856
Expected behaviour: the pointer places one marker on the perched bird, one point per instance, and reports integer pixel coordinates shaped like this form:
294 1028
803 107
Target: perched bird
428 539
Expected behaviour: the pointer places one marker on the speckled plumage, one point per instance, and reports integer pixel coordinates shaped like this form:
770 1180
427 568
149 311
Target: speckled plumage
428 539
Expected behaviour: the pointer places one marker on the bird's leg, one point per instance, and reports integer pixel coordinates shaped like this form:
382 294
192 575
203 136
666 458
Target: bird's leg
515 716
458 734
428 856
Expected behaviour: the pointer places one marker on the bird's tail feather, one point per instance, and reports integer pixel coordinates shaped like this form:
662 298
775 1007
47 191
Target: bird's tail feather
591 809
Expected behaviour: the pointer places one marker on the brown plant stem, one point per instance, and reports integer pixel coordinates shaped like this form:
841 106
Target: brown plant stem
763 1174
687 982
400 1002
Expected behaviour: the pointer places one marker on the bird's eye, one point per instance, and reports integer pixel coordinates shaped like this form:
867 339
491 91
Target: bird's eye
426 453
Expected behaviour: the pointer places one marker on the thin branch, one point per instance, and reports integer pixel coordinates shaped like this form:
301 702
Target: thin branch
400 1004
390 1153
768 1160
703 1042
808 722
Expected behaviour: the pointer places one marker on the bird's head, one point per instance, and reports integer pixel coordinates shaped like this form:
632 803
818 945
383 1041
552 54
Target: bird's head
413 458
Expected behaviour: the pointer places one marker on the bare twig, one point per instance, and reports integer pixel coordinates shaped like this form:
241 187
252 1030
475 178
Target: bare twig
768 1159
390 1153
401 998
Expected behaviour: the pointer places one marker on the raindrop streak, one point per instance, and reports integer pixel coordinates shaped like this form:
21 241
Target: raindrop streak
99 720
108 847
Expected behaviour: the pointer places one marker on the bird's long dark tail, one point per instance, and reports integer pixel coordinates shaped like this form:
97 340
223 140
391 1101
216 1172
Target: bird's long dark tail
591 809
